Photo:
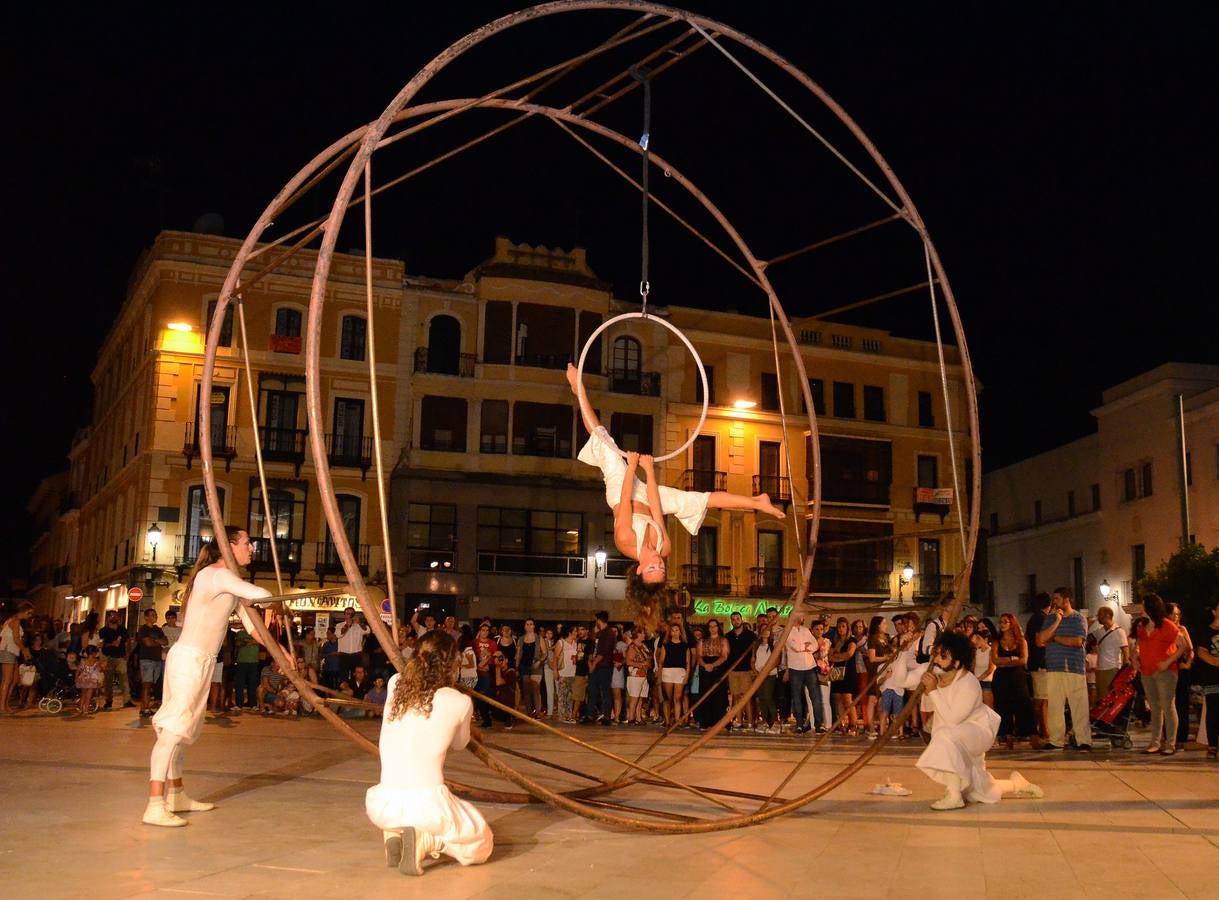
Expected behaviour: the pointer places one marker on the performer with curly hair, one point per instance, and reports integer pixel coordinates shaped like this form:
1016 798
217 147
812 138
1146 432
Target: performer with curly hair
962 729
639 509
424 718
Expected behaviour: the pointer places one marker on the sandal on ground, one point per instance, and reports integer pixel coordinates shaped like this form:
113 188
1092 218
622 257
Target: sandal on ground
1152 748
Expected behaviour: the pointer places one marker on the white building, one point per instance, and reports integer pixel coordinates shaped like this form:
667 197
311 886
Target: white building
1106 508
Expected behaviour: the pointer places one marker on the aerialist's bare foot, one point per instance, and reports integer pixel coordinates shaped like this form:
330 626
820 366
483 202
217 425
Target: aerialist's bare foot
573 377
762 504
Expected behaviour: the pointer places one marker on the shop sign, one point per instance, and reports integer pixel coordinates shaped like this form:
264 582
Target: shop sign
308 603
933 496
747 610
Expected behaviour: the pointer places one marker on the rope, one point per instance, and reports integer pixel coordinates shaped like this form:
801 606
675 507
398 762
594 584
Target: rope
644 286
939 346
791 112
370 332
262 472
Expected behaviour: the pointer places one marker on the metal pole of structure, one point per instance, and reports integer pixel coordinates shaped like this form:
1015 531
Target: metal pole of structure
1183 468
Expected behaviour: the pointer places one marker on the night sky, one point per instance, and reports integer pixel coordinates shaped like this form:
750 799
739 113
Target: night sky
1062 155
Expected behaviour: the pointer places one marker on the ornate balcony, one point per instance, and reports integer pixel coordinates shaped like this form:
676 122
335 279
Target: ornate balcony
707 578
224 443
764 582
351 451
777 487
288 551
283 445
328 562
432 362
704 480
632 381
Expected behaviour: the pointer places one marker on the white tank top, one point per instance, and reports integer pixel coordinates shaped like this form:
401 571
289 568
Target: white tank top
639 524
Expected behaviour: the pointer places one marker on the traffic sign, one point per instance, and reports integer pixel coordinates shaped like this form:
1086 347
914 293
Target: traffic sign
135 595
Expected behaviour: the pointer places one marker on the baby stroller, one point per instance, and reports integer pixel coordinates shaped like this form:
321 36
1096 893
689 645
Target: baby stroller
1111 715
63 692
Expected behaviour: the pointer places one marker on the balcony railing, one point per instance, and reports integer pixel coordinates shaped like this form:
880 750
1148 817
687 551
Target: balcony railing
764 582
704 480
707 578
632 381
289 552
850 581
283 445
544 360
328 562
930 587
777 487
224 443
541 443
434 362
863 493
350 450
186 550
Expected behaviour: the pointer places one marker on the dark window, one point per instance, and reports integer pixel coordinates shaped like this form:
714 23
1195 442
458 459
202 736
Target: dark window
628 355
816 387
698 386
287 322
353 343
770 391
1095 497
431 526
853 470
541 429
348 439
704 547
533 532
497 332
349 513
1130 489
1138 561
873 403
994 523
847 556
287 503
926 417
226 329
631 431
444 345
1146 479
1077 576
494 429
1071 507
928 471
1036 512
443 424
198 523
844 400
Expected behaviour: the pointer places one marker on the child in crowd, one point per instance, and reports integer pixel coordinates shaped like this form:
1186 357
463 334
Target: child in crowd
377 694
88 678
424 718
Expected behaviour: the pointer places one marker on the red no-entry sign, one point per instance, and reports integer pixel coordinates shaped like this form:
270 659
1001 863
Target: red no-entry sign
135 595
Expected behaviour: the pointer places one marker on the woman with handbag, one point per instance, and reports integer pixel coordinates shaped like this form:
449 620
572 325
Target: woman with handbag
12 653
1185 665
1158 652
1206 673
842 686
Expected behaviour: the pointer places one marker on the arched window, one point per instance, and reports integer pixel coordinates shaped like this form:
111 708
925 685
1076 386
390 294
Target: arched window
199 529
444 345
628 356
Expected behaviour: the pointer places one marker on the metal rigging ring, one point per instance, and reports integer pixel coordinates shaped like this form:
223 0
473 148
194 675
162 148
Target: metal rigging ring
702 372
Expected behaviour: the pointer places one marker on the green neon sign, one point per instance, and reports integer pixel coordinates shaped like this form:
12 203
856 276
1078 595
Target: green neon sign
720 607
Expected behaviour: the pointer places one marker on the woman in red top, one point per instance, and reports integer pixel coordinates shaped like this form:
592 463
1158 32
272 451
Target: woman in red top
1158 650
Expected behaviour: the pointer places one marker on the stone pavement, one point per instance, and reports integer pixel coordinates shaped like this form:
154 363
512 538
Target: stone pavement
290 823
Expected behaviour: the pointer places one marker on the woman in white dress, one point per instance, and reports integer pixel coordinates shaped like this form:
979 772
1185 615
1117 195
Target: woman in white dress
425 718
962 729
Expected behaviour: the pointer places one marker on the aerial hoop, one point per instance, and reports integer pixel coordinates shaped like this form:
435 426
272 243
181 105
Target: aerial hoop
702 373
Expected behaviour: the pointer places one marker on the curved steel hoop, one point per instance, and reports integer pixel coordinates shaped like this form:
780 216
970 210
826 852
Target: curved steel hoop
702 372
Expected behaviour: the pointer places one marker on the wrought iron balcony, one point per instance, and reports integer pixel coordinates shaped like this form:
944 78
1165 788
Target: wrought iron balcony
283 445
707 578
777 487
224 443
432 362
704 480
288 551
828 580
328 562
350 450
764 582
186 550
541 443
930 587
632 381
544 360
862 493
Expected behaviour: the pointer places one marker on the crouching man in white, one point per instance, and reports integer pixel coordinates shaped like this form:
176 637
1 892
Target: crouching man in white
210 598
424 718
962 729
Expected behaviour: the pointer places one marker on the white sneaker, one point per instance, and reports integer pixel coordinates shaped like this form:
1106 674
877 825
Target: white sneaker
1022 787
950 800
417 845
157 814
178 801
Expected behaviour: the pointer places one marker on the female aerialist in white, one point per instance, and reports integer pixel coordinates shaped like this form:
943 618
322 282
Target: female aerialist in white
210 598
962 729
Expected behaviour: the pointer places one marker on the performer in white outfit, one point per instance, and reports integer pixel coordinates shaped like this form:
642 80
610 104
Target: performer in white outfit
208 602
639 509
424 718
962 729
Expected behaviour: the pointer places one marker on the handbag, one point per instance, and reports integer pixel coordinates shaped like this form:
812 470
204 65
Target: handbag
28 674
837 673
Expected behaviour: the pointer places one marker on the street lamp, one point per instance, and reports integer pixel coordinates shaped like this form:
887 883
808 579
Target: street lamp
599 557
154 538
1105 589
907 576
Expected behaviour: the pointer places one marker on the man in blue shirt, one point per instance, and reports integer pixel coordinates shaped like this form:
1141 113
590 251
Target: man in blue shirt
1063 634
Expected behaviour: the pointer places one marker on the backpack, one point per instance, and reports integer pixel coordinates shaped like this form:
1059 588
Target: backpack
924 653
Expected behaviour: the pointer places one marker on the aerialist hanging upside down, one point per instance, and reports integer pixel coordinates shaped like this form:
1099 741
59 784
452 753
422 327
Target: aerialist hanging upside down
210 598
639 509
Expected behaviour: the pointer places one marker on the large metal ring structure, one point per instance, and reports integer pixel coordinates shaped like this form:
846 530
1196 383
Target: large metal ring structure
702 372
359 146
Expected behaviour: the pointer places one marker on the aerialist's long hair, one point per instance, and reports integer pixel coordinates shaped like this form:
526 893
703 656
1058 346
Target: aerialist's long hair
642 593
432 667
209 554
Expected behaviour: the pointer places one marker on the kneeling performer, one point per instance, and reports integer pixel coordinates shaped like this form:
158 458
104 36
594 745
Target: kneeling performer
210 598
